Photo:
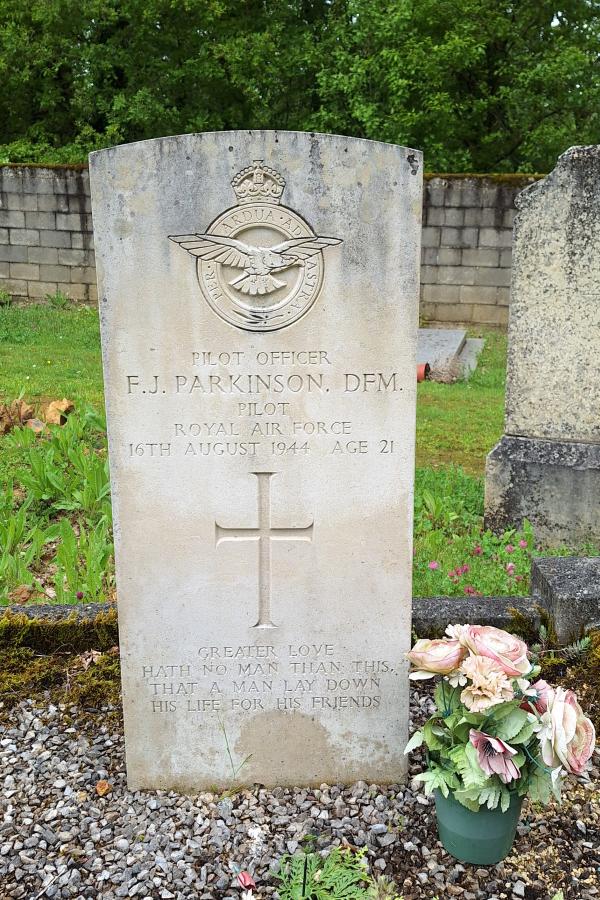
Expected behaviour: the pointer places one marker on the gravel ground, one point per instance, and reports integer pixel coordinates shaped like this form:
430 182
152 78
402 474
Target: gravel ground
59 838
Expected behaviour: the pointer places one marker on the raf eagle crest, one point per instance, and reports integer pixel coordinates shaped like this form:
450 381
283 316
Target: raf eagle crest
259 264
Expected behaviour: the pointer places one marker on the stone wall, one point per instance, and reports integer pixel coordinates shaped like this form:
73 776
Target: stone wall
466 255
46 240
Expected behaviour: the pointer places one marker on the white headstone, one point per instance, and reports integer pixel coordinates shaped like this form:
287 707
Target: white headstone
258 300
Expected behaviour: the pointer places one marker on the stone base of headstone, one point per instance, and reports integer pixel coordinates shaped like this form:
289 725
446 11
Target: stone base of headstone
555 485
569 588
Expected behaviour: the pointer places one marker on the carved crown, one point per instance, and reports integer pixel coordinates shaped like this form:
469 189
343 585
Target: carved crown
258 182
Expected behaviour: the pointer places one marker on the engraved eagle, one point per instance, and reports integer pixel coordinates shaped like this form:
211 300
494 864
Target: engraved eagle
258 263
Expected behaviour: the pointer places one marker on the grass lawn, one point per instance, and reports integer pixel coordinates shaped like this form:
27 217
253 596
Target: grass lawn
55 528
47 353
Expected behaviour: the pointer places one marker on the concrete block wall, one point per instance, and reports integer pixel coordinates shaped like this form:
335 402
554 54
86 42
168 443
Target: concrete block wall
46 236
47 244
466 247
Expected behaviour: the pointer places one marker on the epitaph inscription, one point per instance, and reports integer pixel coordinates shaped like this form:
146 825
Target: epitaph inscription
261 433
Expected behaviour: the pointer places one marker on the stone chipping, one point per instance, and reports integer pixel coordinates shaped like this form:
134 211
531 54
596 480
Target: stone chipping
60 839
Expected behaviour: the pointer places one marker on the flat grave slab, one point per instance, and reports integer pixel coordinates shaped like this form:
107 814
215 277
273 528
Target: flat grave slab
438 345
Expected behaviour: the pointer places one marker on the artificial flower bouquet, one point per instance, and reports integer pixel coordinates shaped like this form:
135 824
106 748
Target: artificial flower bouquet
498 730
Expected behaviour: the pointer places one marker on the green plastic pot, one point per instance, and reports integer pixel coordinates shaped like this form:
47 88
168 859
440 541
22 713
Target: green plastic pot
482 838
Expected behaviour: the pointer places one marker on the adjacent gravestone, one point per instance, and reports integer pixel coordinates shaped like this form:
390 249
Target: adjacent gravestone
546 468
259 317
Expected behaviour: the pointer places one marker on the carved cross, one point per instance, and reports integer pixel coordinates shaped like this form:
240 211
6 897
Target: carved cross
263 535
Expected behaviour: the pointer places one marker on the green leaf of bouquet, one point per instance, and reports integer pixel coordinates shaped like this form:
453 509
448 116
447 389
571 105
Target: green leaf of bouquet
504 799
540 786
510 726
432 735
556 787
415 741
447 698
475 719
490 794
473 776
524 734
438 778
464 758
456 754
519 759
461 732
467 798
502 710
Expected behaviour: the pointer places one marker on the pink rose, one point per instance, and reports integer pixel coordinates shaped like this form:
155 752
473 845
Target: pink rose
506 650
544 695
568 737
435 657
494 756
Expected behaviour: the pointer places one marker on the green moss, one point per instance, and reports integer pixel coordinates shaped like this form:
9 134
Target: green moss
528 628
58 678
68 635
98 685
583 677
22 669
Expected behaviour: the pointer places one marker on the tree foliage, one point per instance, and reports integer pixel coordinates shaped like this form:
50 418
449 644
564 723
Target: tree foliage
479 85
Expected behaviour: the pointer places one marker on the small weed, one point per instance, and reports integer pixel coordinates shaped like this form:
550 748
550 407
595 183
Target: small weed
58 300
55 534
307 876
5 298
84 563
236 768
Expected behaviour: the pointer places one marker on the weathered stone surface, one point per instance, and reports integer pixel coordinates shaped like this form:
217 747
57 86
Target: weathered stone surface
432 615
569 588
437 346
553 377
547 467
261 428
469 355
553 484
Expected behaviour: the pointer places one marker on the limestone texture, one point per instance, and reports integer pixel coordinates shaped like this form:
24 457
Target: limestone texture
258 302
553 376
546 468
569 588
555 485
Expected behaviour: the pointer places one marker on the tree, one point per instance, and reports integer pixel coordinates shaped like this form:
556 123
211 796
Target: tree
82 74
479 85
